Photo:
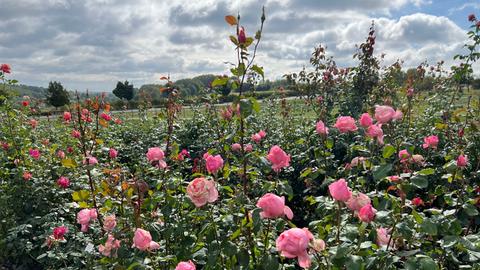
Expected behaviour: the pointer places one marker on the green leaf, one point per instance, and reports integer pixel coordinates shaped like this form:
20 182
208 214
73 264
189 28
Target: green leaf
382 171
220 81
388 151
419 181
428 263
329 143
258 70
243 257
429 227
246 107
255 104
427 171
470 210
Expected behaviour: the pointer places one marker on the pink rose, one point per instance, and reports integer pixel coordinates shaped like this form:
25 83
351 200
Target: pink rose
382 237
112 153
375 131
398 115
430 142
404 155
262 133
318 245
76 134
67 116
293 243
248 148
85 216
394 178
34 153
90 161
367 213
143 240
61 154
321 128
274 206
110 245
339 190
106 117
278 158
384 114
356 202
410 92
417 201
357 160
345 124
33 123
366 120
201 191
109 223
63 182
26 176
5 68
214 163
462 161
418 159
256 137
59 232
236 147
186 266
155 156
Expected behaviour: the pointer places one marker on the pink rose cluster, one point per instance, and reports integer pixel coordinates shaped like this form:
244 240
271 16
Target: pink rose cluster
213 163
259 136
202 191
155 156
278 158
85 216
110 248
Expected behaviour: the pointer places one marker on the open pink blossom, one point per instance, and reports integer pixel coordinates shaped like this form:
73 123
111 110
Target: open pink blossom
67 116
357 161
321 128
462 161
293 243
256 138
383 237
89 160
5 68
262 133
236 147
59 232
109 223
33 123
273 206
112 153
430 142
155 156
357 201
110 248
366 120
278 158
345 124
76 134
417 201
61 154
63 182
367 213
339 190
26 176
202 191
318 245
105 116
375 131
403 155
34 153
143 240
383 114
85 216
185 266
248 148
214 163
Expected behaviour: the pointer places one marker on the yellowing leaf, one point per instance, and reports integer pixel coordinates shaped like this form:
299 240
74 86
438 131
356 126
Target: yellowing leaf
103 123
69 163
81 195
99 141
231 20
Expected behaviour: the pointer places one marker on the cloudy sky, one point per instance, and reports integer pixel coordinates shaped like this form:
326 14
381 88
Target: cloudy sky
91 44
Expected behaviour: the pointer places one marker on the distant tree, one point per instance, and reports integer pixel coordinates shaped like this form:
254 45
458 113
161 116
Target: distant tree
57 96
124 90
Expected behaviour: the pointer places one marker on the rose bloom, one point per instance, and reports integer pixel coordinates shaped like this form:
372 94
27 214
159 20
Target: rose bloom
462 161
214 163
375 131
394 178
318 245
26 176
85 216
366 120
384 114
33 123
382 237
262 133
76 134
356 202
417 201
59 232
90 160
67 116
321 128
118 121
155 155
345 124
63 182
367 213
106 117
236 147
61 154
109 223
256 137
357 160
293 243
339 190
112 153
186 266
25 103
200 191
278 158
5 68
471 18
143 240
34 153
418 159
398 115
430 142
274 206
403 155
110 245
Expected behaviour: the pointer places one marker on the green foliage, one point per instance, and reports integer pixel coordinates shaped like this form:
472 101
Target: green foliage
57 96
124 90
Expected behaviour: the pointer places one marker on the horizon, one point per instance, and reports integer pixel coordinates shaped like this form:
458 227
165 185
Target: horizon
93 44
